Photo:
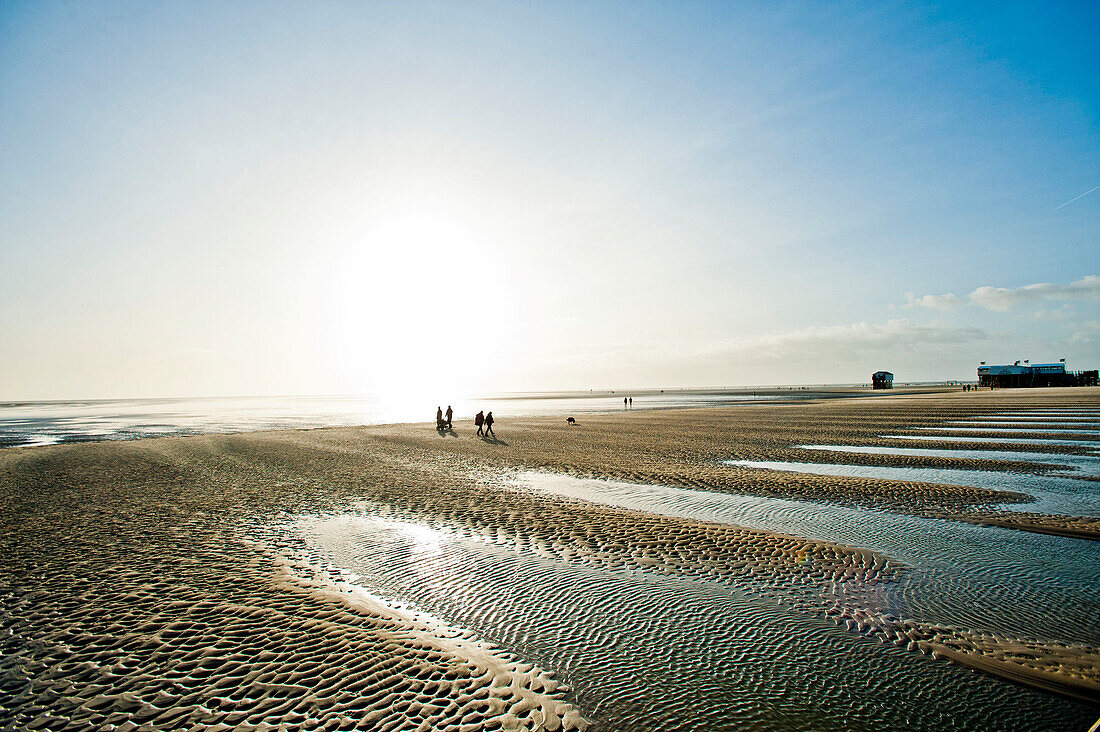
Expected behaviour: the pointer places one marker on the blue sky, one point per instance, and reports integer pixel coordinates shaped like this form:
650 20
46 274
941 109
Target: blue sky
315 198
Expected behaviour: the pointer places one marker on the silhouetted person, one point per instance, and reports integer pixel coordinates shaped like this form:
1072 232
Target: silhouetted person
479 422
439 418
624 402
449 415
489 425
631 402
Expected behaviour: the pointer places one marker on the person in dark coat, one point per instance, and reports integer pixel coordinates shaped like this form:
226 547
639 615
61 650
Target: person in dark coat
450 413
489 425
479 422
439 418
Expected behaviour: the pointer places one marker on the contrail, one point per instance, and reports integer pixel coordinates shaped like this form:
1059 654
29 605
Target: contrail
1074 199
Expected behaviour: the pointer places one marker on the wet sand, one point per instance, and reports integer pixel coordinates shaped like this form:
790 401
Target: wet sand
154 582
689 448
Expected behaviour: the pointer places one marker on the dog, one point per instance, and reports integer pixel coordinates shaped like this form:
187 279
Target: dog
570 420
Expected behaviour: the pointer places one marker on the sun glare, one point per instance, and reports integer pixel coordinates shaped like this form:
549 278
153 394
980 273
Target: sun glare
404 310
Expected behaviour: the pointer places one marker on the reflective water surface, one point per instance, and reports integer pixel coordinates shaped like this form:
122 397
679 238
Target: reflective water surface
28 424
1000 428
647 651
998 440
1080 464
1055 493
975 576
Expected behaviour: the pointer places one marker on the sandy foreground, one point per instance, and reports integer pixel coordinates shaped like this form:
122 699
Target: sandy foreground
149 584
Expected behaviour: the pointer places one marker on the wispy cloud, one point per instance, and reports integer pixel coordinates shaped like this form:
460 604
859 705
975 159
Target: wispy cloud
1087 333
1002 299
1051 315
1077 198
946 301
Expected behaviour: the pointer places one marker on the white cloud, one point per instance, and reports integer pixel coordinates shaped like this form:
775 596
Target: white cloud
946 301
1087 333
1056 314
1002 299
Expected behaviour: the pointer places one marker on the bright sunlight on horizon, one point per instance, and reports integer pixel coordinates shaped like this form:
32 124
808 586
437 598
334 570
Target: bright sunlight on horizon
207 199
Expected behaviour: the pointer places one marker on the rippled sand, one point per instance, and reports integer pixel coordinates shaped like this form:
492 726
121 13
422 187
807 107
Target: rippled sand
687 448
150 583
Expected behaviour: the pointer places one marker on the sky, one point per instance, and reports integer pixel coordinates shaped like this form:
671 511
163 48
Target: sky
201 199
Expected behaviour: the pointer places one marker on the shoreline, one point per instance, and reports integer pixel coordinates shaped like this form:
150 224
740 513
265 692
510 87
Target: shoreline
201 416
140 550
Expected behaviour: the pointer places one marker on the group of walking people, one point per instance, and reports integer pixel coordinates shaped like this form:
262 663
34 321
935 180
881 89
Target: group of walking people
483 421
484 424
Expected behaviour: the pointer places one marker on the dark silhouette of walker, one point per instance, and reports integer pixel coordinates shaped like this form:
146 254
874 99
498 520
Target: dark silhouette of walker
489 425
479 422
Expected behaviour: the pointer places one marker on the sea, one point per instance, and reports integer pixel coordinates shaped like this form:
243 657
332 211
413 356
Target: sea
33 423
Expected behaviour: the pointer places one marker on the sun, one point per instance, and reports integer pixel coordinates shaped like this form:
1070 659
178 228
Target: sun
405 294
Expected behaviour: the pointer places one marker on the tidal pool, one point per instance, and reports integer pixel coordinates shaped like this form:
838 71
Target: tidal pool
1088 444
998 428
646 651
1053 493
1080 464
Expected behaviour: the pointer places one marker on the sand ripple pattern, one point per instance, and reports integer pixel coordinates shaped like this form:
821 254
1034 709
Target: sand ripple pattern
1062 668
1069 668
131 599
143 609
129 596
655 651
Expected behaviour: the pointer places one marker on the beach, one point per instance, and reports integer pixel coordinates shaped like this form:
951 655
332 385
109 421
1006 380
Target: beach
207 581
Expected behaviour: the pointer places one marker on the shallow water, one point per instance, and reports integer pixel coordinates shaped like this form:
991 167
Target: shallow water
1079 464
974 576
29 424
1032 418
1030 425
998 440
646 651
998 428
1055 494
1045 413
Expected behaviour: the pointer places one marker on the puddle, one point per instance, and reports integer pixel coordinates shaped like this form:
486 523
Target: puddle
1053 413
1080 464
969 575
1054 493
998 428
999 440
1032 425
1052 418
645 651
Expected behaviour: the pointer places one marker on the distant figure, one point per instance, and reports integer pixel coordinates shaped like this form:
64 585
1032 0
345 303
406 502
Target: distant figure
479 422
489 425
631 402
439 418
450 414
570 420
624 402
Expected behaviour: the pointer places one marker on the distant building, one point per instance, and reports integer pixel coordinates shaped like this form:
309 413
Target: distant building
1039 374
882 380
